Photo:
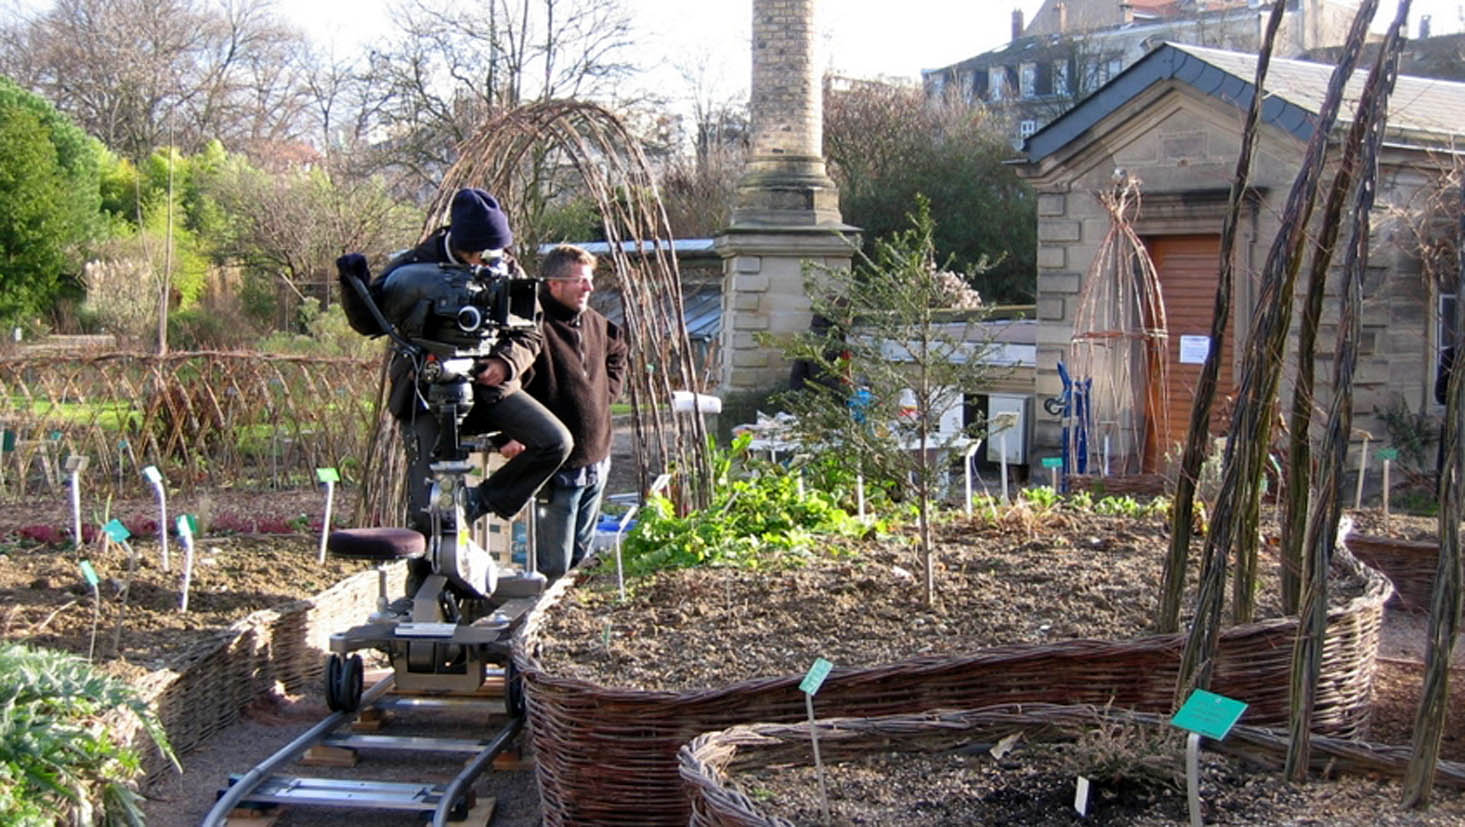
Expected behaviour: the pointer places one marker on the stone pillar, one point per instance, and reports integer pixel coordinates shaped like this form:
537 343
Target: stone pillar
786 210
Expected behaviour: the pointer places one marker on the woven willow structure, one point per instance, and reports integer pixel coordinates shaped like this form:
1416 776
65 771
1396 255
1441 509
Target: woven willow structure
504 156
1119 342
203 419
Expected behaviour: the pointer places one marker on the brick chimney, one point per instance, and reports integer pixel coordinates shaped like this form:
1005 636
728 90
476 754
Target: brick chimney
1126 12
1062 10
1017 26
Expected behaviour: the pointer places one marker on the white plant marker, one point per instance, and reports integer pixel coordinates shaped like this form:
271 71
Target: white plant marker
860 496
966 467
92 580
809 686
155 479
185 536
75 464
1362 470
1388 455
330 477
1004 422
620 534
1081 796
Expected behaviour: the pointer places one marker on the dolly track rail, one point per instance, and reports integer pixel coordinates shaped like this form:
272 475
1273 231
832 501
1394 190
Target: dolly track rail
241 790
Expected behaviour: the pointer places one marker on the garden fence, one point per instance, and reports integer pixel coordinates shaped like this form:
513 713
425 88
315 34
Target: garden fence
204 419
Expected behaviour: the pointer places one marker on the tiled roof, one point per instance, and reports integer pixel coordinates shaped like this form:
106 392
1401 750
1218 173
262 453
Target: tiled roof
1421 110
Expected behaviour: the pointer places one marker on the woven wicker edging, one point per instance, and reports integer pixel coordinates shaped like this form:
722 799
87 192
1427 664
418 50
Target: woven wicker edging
607 755
707 761
1410 564
206 689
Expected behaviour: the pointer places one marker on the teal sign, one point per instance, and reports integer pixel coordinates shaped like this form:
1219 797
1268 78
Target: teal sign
1390 454
1209 714
117 531
89 573
327 475
815 679
1052 462
7 443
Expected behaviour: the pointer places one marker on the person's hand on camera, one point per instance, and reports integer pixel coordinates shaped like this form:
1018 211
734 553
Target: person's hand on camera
511 449
495 372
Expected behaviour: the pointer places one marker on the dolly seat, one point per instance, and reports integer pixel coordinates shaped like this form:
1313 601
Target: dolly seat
377 543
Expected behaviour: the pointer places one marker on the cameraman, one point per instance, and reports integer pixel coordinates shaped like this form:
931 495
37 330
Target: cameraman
478 231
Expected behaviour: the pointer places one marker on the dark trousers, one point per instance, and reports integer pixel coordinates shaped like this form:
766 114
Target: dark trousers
517 416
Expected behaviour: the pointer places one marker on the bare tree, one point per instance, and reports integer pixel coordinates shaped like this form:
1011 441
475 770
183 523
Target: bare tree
123 68
454 66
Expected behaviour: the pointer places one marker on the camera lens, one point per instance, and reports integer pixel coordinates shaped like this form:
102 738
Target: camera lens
469 319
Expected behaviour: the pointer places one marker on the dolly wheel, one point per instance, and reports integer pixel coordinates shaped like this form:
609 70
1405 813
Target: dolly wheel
333 683
343 683
513 690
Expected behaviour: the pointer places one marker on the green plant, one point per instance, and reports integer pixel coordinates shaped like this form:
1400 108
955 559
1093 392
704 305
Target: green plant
1081 500
1413 434
60 761
1125 506
757 517
1042 498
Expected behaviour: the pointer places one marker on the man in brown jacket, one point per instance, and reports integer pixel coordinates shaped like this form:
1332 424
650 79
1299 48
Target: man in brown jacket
578 373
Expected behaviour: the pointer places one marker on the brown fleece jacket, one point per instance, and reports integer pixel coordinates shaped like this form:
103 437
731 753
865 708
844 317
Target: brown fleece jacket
578 373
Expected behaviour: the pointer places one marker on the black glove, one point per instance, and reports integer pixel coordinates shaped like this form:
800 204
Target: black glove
353 265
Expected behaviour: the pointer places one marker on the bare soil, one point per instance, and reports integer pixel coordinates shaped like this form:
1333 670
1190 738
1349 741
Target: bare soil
1034 578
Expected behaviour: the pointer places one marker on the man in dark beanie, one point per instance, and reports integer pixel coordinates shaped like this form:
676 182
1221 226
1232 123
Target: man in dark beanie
477 234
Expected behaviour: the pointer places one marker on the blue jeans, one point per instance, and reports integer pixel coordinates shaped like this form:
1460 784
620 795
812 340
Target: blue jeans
566 524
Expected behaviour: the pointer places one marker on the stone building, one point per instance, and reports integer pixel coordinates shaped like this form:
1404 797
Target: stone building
1174 120
1072 47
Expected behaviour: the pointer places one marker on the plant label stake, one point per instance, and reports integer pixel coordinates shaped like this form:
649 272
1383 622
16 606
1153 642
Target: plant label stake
1362 470
1081 796
330 478
1004 422
860 495
809 686
1212 716
185 536
118 533
155 479
1053 464
90 574
75 464
966 466
620 534
1388 455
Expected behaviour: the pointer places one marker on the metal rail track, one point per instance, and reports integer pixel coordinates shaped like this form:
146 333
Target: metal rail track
263 786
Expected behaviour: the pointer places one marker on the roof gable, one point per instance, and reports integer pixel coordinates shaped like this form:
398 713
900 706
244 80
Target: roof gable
1424 109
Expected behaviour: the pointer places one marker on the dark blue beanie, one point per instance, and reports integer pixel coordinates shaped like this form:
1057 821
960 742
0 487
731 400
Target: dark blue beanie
477 223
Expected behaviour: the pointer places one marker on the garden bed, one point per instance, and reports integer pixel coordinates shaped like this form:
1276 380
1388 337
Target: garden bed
1046 608
1021 764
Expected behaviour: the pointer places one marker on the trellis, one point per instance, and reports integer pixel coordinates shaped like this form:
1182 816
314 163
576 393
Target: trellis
608 159
1117 356
202 418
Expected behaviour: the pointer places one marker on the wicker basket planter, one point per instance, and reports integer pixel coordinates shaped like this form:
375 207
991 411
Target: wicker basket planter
207 690
1118 486
1410 564
707 762
607 755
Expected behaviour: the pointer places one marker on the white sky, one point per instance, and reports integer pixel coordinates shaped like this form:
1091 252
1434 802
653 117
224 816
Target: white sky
861 38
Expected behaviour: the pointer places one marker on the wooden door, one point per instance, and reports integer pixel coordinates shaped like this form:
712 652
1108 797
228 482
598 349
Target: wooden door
1188 268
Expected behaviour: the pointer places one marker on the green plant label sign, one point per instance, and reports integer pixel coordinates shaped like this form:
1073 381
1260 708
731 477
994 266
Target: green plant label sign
1052 462
1390 454
117 531
192 523
7 442
815 679
185 527
327 475
152 475
89 573
1209 714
